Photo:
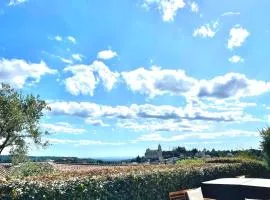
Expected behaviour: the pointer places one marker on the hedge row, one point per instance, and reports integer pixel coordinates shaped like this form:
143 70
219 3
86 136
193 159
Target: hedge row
138 186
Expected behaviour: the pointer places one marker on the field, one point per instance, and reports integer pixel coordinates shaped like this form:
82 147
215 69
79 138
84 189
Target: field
124 182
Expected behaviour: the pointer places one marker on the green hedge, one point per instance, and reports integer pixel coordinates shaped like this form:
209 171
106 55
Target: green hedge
138 186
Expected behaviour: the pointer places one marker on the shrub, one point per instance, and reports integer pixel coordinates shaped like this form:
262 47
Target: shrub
193 162
265 144
154 184
31 169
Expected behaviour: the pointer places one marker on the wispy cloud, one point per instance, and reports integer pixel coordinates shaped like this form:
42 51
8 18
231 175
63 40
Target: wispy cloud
156 137
77 57
16 2
72 39
85 142
62 127
230 14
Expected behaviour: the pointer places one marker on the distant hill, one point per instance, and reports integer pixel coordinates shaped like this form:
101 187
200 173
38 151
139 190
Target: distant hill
57 159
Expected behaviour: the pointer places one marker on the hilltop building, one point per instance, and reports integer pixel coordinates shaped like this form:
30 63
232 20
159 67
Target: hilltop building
154 154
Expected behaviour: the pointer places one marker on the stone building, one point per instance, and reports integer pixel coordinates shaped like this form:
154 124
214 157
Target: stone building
154 154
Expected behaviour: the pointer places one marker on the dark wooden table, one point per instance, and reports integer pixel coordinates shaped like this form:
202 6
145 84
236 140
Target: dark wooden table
237 189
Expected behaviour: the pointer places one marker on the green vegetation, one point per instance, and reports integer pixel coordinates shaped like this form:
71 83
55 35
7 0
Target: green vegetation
19 120
140 182
191 162
31 169
265 144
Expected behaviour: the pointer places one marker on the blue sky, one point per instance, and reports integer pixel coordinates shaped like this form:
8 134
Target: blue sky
122 76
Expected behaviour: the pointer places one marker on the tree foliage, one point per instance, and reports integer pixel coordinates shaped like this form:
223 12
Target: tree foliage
20 117
265 143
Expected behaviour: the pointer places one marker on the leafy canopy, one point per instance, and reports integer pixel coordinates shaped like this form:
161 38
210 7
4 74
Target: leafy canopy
265 143
20 119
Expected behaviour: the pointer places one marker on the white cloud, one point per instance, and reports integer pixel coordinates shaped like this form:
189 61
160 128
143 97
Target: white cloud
62 127
232 85
82 142
156 81
17 72
72 39
238 35
160 125
168 8
58 38
194 7
106 54
95 122
16 2
200 135
86 77
230 14
65 60
77 57
236 59
145 111
207 30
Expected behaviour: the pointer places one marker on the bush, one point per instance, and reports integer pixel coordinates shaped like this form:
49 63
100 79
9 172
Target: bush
139 185
31 169
265 144
193 162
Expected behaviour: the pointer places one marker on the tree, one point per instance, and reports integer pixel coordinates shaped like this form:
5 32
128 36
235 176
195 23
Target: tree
20 119
138 159
265 144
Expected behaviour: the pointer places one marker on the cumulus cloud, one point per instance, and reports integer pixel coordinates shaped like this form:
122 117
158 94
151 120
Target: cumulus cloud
95 122
156 81
62 127
207 30
106 54
16 2
238 36
17 71
86 77
194 7
145 111
232 85
236 59
168 8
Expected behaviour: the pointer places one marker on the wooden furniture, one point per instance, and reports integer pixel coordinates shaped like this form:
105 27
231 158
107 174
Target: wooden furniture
192 194
237 189
178 195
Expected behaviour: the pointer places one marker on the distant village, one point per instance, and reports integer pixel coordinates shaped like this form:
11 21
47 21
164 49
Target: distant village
151 156
157 156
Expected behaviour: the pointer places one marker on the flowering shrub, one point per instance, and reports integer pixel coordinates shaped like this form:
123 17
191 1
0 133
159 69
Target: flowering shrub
31 169
134 182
